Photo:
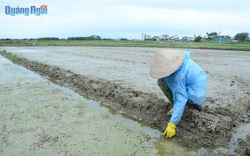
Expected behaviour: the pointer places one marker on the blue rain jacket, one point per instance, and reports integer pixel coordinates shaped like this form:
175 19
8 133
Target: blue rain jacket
189 82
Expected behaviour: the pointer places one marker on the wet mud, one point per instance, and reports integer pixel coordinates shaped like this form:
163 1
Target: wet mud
212 127
244 146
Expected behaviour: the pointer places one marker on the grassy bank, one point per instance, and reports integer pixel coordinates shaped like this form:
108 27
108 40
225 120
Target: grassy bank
114 43
12 57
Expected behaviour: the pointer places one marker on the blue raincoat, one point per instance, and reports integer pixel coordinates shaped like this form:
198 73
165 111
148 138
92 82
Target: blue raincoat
189 82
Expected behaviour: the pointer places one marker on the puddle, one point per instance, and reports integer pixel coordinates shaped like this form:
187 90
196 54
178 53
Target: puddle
241 133
8 72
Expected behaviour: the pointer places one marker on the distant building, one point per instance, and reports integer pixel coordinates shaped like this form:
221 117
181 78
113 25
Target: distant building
222 38
156 38
146 37
164 37
186 38
248 38
191 38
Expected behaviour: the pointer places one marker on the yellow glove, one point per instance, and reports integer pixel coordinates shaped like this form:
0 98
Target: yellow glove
170 130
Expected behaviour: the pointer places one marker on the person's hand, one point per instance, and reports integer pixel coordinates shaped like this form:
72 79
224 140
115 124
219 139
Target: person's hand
170 130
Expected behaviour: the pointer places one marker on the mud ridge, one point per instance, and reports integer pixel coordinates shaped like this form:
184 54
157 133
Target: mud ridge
209 128
244 146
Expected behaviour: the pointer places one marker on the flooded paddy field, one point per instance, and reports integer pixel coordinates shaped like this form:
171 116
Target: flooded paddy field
39 117
118 78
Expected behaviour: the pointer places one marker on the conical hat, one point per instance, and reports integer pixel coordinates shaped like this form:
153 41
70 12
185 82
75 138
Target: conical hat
166 62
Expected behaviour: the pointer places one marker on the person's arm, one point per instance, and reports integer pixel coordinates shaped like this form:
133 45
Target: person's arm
180 97
180 100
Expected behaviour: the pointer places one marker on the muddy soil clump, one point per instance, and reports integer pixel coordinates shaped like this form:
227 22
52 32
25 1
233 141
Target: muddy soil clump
209 128
244 146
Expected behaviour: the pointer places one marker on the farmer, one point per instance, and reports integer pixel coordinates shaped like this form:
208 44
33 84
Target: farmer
181 80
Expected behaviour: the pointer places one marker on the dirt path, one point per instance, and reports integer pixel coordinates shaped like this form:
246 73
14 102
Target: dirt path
121 75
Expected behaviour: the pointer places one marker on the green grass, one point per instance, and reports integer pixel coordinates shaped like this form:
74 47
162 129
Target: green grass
118 43
12 57
239 110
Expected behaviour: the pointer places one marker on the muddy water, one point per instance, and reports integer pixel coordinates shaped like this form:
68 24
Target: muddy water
40 118
240 133
110 113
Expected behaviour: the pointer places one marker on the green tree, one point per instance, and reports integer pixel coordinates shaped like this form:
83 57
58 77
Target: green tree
184 38
211 35
47 38
92 37
197 39
95 37
241 37
124 39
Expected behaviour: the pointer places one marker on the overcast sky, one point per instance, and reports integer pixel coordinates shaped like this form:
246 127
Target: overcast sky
126 18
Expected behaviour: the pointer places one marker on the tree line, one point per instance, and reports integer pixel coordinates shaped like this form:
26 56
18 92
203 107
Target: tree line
240 37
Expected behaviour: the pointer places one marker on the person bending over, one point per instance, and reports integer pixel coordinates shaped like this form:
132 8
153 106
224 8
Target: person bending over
182 81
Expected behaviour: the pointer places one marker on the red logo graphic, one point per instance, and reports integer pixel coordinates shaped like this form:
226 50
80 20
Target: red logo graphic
43 6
